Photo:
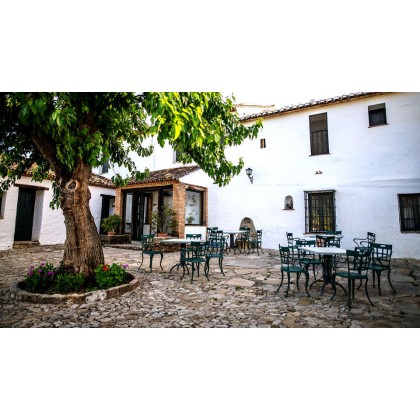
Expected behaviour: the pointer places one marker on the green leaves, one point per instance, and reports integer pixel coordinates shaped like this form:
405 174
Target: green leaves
57 130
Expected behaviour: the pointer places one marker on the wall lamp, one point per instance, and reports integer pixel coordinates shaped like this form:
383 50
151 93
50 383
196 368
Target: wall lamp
249 173
318 173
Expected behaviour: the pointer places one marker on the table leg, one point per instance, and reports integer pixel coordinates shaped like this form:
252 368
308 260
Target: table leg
181 262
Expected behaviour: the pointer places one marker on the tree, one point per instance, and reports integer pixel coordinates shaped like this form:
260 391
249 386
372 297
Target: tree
71 133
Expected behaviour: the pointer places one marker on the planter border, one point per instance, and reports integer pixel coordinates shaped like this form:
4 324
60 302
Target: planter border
71 298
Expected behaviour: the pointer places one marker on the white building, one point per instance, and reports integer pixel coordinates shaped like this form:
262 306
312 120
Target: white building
25 214
349 163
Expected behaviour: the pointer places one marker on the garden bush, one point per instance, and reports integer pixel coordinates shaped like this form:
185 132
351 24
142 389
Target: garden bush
39 279
67 283
110 275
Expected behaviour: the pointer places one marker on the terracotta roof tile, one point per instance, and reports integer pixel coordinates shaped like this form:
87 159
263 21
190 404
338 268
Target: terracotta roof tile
310 104
171 174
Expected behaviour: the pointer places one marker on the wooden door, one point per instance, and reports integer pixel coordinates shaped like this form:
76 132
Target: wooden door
25 214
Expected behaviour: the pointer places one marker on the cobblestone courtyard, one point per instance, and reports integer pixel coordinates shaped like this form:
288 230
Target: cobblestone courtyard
245 297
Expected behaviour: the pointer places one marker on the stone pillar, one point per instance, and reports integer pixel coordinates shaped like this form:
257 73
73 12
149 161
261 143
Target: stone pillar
118 202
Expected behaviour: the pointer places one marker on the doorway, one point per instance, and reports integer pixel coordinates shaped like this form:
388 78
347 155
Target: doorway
25 214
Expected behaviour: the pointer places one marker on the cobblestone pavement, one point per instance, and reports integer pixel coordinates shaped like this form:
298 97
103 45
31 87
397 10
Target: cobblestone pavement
245 297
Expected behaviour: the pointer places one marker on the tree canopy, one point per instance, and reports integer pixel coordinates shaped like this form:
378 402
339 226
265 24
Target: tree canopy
71 133
56 130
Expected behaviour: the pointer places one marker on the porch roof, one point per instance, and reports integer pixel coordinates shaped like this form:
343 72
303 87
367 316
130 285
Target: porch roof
169 174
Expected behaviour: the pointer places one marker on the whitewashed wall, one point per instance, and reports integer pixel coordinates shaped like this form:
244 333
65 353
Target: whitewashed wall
367 167
48 226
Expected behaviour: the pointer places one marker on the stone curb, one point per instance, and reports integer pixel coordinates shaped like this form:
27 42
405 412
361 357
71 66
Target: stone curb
97 295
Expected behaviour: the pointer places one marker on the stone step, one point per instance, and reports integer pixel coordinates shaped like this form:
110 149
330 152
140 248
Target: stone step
25 244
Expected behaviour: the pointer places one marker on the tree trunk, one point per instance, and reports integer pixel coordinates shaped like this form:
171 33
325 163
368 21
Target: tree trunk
83 250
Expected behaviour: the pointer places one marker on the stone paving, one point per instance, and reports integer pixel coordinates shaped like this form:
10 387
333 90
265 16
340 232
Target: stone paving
245 297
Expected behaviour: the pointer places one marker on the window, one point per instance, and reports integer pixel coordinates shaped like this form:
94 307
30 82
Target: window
2 200
194 208
177 157
409 212
377 115
262 144
319 134
105 167
319 211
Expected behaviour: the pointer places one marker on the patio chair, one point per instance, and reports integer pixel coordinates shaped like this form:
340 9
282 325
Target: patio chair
210 230
243 238
216 250
381 261
290 239
151 248
365 242
193 236
194 255
307 259
255 242
357 269
289 265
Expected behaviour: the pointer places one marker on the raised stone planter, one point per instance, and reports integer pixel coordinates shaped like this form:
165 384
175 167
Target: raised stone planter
115 239
97 295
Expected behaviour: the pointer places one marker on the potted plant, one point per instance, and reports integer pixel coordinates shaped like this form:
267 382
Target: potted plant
190 219
111 224
163 220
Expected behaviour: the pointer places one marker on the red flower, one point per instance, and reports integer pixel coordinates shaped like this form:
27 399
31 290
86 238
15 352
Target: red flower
105 268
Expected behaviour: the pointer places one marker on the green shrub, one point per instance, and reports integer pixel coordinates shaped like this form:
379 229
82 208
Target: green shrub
67 283
109 275
39 279
111 223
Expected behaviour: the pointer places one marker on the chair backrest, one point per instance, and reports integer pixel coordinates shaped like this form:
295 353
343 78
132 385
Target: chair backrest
290 239
286 259
320 240
371 237
217 246
210 230
193 236
381 253
358 260
198 249
259 235
147 241
244 235
332 241
215 235
365 242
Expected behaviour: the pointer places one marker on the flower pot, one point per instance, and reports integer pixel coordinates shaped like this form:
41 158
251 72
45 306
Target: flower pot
162 234
112 233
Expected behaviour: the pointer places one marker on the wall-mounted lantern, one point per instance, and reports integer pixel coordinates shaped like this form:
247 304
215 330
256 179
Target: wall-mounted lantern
249 173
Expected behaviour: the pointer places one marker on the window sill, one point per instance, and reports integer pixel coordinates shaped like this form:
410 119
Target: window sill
377 125
320 154
288 209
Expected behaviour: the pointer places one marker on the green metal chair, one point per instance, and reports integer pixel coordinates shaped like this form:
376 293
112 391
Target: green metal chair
193 236
194 255
357 269
365 242
243 237
306 258
215 251
381 261
255 242
290 265
210 231
151 248
291 241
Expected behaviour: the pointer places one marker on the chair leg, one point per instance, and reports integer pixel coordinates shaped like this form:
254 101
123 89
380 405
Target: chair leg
288 283
349 292
142 256
192 272
297 280
282 274
151 259
306 284
367 294
220 265
379 283
161 258
389 281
